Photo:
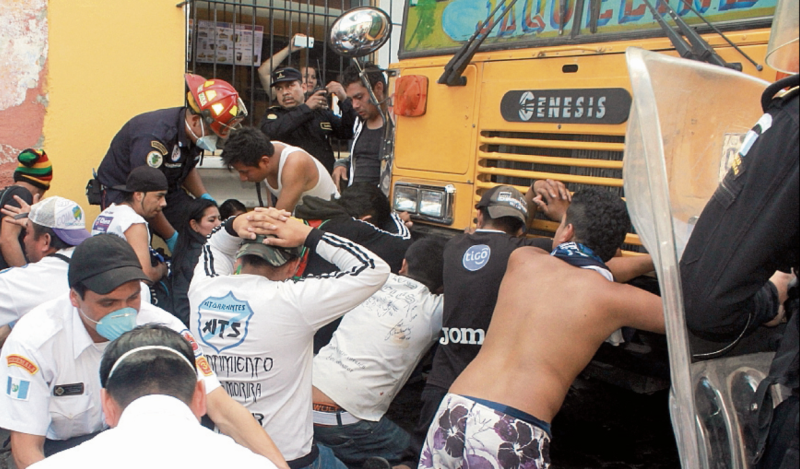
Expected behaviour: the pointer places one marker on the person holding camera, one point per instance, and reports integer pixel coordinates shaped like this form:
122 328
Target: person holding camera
305 119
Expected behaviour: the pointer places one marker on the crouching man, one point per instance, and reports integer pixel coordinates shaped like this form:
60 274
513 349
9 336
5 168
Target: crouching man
153 401
49 364
257 327
542 334
386 336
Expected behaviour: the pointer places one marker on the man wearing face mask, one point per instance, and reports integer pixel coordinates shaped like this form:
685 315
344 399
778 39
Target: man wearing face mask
49 364
171 140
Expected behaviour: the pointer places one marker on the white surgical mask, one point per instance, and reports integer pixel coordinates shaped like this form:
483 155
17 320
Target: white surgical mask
205 142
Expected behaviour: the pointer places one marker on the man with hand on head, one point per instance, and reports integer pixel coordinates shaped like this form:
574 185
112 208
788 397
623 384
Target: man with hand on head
49 364
256 327
153 401
290 173
308 122
32 179
53 228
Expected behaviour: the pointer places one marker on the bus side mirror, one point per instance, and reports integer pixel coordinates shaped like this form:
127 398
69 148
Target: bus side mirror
360 31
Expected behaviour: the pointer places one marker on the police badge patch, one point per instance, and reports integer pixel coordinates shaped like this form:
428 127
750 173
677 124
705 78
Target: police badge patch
154 159
176 153
158 146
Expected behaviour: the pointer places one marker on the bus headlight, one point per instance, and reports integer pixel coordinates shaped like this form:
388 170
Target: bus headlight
405 199
429 203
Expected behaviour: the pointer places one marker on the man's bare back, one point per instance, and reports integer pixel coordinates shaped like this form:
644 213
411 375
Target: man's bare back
549 321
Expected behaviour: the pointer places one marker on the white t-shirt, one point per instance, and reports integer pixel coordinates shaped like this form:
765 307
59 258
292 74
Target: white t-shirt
49 370
157 431
325 188
23 288
377 346
116 219
257 333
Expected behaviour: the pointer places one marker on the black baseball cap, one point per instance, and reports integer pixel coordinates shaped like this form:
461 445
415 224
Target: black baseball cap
286 74
144 179
104 262
504 201
276 256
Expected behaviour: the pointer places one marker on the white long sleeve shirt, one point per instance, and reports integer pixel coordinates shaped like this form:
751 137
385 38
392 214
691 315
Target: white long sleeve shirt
257 333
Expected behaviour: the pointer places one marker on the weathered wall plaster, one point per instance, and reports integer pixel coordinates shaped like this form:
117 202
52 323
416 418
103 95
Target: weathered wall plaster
23 72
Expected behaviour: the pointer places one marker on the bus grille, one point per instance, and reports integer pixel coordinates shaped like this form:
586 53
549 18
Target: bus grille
577 160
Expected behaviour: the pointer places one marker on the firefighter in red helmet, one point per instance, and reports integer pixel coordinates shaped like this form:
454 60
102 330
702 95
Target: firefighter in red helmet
171 140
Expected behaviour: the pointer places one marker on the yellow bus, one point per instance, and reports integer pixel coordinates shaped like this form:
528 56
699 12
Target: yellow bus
547 95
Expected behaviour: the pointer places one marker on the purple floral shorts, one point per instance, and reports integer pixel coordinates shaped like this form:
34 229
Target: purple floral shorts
469 435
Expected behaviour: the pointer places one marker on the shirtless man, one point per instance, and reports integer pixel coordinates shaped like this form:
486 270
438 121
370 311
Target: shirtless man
541 336
289 172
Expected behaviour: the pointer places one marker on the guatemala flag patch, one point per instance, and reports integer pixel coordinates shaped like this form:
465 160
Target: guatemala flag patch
17 388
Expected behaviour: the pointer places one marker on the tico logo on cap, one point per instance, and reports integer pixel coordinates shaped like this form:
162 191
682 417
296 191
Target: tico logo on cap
476 257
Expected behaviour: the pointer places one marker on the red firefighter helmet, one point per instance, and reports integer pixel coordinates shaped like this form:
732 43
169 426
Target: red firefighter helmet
217 102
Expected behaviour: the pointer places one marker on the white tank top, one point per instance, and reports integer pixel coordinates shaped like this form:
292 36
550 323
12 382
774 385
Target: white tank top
325 188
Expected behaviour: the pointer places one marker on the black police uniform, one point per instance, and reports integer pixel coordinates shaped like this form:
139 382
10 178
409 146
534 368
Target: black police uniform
157 139
747 231
310 129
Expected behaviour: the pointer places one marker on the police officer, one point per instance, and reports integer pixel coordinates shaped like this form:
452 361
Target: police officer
752 222
171 140
308 122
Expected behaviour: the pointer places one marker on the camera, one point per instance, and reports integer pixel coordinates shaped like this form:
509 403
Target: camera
317 89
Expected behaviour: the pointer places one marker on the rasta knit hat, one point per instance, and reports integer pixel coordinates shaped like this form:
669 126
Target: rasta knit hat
34 168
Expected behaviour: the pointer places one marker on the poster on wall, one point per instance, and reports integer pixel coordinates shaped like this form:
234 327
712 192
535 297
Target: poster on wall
228 43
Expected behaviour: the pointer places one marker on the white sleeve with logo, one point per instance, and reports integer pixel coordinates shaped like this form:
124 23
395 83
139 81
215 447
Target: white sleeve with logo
25 397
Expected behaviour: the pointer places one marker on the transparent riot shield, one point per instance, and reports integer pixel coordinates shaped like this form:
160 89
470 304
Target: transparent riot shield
686 123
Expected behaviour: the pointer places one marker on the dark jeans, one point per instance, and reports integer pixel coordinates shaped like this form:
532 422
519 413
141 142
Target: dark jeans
431 398
325 460
354 443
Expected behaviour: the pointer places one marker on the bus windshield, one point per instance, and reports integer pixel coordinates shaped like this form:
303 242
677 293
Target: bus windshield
434 27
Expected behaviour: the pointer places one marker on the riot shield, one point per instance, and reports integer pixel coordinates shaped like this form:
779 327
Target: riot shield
686 123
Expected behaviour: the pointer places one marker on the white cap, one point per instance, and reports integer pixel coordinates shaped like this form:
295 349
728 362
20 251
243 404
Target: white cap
63 216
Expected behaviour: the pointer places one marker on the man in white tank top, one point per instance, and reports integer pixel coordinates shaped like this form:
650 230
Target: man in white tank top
289 172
